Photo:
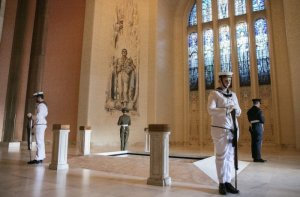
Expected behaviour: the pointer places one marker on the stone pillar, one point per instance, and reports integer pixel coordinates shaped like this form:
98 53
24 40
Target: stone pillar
59 159
147 140
84 140
159 155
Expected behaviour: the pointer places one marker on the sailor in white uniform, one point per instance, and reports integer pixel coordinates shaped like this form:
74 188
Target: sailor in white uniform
40 125
220 103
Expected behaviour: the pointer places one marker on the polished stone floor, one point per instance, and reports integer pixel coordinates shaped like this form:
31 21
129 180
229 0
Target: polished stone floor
107 176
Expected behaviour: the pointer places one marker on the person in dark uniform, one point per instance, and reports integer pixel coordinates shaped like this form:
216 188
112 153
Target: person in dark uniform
124 121
256 119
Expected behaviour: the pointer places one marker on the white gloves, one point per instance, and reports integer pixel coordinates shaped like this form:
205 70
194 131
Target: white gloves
229 109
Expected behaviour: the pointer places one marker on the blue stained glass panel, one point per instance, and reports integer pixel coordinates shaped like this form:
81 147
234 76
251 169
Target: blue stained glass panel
206 11
258 5
208 42
223 9
224 40
193 61
243 53
262 52
193 16
240 7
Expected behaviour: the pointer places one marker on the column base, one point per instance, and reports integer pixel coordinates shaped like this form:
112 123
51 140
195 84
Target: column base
159 182
59 166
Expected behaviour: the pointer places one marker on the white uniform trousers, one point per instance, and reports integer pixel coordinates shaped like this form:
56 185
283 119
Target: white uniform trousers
224 153
40 142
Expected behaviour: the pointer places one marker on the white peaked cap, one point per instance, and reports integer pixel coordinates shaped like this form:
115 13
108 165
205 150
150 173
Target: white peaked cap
38 93
225 73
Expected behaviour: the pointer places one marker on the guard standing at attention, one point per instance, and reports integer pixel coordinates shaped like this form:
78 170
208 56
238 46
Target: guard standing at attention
220 104
257 120
40 125
124 121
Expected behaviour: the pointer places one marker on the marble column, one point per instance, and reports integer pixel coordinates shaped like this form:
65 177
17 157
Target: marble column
159 155
84 140
59 159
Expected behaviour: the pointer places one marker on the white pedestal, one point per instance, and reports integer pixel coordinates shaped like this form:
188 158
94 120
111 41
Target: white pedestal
59 159
159 155
84 140
11 146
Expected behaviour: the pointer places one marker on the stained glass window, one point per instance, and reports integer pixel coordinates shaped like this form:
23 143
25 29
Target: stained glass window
223 9
240 7
208 42
206 11
193 61
241 38
224 39
262 52
193 16
258 5
243 53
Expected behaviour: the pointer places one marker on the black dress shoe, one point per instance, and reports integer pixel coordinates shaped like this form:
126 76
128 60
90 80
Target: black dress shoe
222 189
35 161
32 162
259 160
231 189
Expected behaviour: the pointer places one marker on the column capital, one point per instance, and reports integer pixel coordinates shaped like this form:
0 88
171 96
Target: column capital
85 128
61 127
159 128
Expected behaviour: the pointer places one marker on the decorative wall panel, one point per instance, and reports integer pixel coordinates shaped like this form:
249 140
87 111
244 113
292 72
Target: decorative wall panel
123 82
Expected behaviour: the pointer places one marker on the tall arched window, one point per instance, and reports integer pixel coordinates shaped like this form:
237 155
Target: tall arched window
193 61
262 51
208 50
243 55
193 50
228 21
225 51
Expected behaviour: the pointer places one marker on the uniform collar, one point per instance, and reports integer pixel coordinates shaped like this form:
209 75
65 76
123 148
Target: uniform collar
227 93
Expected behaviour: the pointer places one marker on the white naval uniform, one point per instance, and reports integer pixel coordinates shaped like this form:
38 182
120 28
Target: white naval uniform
40 125
221 135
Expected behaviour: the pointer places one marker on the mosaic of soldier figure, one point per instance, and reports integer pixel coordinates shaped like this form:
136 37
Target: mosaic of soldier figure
124 69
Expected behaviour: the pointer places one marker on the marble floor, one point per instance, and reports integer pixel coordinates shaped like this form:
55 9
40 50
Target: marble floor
107 176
